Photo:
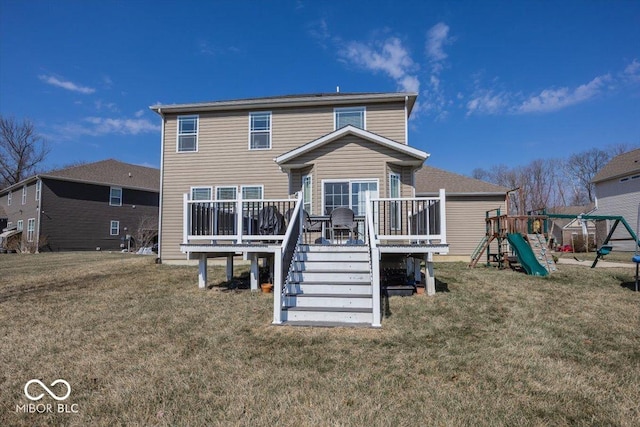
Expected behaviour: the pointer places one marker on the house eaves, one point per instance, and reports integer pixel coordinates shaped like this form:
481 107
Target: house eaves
290 101
621 166
419 155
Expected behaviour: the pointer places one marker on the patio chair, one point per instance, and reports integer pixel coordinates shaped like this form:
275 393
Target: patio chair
308 226
342 219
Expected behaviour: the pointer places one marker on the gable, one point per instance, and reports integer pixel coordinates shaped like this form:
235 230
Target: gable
350 138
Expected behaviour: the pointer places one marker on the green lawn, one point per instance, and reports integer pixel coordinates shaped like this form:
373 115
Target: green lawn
139 344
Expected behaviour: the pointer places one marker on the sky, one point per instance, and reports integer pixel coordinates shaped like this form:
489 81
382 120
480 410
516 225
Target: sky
498 82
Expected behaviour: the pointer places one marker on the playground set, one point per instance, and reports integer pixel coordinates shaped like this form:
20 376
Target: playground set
524 240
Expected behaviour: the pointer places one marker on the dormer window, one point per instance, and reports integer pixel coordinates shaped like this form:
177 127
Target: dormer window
354 116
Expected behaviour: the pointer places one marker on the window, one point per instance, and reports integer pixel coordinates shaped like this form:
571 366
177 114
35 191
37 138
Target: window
394 192
252 192
187 133
200 193
306 193
19 225
38 190
260 131
350 116
24 194
226 193
9 199
115 196
31 228
115 228
350 194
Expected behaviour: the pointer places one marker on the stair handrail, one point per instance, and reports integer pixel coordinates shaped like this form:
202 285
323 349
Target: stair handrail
374 256
284 259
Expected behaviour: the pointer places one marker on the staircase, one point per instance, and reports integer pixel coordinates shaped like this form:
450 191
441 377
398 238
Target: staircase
329 286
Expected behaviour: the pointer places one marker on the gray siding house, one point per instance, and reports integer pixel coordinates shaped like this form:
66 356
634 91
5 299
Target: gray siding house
88 207
618 193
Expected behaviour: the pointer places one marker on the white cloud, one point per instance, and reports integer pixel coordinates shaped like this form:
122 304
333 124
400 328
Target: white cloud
389 57
68 85
632 71
99 126
139 113
437 37
487 102
556 99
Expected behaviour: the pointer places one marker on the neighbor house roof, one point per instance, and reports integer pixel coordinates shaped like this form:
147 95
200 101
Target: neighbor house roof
570 210
314 99
620 166
106 172
419 155
429 180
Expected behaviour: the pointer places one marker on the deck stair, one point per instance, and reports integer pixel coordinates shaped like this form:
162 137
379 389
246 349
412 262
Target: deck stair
329 285
538 244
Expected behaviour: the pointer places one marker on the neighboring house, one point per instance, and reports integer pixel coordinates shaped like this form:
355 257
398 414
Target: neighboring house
467 201
312 153
88 207
567 231
3 218
617 188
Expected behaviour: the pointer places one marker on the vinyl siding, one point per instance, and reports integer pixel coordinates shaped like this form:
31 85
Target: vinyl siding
224 159
17 211
620 198
466 221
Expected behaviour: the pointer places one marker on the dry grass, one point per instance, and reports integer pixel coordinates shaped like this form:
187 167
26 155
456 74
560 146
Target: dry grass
141 345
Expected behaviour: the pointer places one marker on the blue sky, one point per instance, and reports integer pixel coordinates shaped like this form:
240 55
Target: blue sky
499 82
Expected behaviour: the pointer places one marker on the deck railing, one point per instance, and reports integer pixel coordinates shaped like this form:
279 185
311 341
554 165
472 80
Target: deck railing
236 221
409 220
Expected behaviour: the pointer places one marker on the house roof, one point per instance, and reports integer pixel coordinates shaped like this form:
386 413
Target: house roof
429 180
620 166
314 99
419 155
570 210
106 172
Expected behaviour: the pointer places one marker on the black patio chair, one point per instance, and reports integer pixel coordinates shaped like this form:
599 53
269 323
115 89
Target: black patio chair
342 219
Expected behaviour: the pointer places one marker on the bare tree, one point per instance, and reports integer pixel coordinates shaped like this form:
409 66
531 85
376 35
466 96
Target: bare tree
582 167
21 150
146 232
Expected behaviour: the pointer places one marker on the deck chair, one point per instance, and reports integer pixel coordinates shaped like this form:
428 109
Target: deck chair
342 219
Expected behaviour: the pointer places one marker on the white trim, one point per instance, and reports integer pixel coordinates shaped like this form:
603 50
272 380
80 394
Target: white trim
197 133
352 130
9 198
337 110
20 224
117 223
310 176
395 225
31 222
164 123
251 113
38 189
111 195
24 194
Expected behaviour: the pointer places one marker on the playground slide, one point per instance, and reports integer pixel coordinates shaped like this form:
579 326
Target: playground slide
526 257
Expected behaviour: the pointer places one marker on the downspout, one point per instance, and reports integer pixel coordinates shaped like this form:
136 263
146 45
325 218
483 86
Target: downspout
161 185
39 209
406 121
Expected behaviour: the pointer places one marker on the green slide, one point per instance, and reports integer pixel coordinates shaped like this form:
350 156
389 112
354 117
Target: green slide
526 257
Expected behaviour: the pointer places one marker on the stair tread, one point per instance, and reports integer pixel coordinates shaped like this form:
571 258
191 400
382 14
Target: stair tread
325 324
306 282
328 295
331 309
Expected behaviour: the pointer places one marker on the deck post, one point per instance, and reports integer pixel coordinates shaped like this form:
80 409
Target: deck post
185 217
417 272
202 271
277 287
429 277
375 287
443 218
239 218
229 267
255 271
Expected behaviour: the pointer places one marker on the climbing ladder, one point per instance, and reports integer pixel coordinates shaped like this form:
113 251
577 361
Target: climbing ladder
538 244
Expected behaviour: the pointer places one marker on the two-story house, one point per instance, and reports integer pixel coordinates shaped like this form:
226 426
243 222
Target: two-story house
309 159
93 206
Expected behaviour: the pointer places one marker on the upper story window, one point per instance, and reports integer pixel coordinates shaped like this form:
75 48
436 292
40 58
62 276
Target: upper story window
354 116
187 133
260 130
9 199
38 190
24 194
200 193
115 197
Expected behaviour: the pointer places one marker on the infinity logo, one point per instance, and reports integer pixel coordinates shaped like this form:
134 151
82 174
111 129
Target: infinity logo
52 394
